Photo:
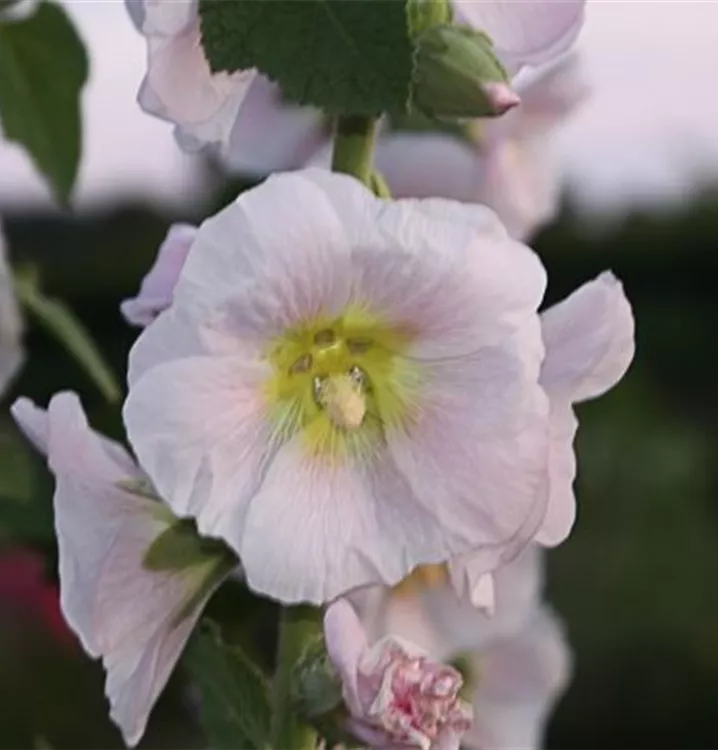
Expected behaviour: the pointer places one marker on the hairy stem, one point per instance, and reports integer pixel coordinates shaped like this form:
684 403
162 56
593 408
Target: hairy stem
298 627
354 142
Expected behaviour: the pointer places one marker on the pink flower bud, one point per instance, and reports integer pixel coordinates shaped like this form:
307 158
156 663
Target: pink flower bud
396 694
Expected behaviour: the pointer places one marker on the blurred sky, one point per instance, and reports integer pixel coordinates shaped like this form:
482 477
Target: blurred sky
648 135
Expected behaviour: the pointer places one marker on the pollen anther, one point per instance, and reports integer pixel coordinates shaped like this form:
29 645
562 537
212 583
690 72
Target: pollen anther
343 398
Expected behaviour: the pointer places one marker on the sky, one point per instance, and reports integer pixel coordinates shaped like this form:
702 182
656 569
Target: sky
648 135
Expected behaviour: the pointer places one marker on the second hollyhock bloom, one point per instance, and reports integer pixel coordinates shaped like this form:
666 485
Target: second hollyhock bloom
397 695
136 619
344 387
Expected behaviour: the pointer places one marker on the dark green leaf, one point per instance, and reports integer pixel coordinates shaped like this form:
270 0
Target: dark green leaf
234 694
43 67
62 323
345 56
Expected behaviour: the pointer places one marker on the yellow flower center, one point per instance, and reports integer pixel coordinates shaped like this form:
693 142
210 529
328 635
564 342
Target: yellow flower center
341 382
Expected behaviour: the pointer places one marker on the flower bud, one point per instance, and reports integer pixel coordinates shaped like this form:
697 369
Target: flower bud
457 75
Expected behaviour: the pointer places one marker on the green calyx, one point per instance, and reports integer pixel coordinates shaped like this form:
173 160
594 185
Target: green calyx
423 15
453 72
180 547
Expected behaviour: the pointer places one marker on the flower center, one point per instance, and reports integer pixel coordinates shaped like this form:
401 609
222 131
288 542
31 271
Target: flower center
341 381
343 397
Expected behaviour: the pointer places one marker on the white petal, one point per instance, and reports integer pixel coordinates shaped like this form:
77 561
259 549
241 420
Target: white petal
450 273
199 427
561 508
272 135
589 340
517 586
477 450
346 644
520 680
280 253
526 32
165 18
427 165
318 528
520 184
33 422
157 289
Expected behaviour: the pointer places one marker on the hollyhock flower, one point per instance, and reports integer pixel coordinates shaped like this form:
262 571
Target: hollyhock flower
345 387
179 85
396 695
516 662
11 352
136 619
505 163
157 287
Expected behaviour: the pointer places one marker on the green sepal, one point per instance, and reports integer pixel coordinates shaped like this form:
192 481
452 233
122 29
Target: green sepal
180 546
452 65
425 14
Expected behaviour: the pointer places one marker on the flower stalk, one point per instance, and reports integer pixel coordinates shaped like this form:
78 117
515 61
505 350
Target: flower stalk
298 628
354 145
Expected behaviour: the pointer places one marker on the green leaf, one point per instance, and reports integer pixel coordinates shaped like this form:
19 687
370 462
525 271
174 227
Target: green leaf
347 57
62 323
43 67
234 693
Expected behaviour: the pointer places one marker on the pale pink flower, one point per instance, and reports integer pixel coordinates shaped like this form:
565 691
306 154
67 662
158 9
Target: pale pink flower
345 387
136 620
11 350
505 163
396 694
517 661
215 108
525 32
157 288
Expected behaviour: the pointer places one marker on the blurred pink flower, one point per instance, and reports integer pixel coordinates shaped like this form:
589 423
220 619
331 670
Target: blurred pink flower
396 695
25 590
158 286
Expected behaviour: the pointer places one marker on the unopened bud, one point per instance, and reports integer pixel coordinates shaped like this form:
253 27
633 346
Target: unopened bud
457 75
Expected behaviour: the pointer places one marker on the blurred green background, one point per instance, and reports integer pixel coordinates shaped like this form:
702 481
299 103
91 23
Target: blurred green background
634 582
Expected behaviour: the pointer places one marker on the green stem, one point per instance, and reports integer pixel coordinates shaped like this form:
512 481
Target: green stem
354 142
298 627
